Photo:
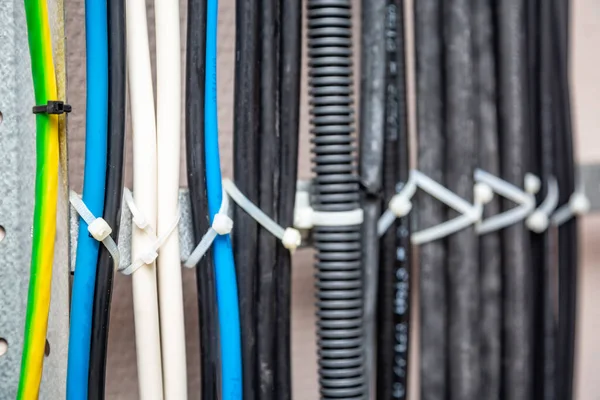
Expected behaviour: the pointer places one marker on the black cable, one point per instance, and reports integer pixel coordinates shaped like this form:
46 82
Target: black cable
289 107
268 195
246 159
112 198
567 233
461 159
513 107
430 212
196 167
490 257
395 270
372 123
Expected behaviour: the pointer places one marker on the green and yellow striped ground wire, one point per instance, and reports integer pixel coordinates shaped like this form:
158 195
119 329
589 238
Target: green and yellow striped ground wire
46 187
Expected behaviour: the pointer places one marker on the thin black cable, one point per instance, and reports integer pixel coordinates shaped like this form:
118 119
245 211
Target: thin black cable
431 161
567 233
395 272
196 167
490 254
246 159
461 159
268 195
112 199
289 107
513 106
372 124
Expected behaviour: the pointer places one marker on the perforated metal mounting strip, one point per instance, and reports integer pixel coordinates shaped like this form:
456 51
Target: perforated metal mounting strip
17 175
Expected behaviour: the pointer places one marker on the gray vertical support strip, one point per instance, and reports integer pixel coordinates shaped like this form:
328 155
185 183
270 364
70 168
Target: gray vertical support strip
430 212
54 375
17 177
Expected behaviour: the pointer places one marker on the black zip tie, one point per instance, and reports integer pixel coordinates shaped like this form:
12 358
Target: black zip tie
53 107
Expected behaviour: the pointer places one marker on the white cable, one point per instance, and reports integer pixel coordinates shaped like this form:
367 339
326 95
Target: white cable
168 131
98 227
290 237
145 294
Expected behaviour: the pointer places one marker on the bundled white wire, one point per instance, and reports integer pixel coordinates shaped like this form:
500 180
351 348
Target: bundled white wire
145 294
168 129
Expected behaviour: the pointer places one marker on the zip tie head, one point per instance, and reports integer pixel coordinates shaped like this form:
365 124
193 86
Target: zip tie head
99 229
400 205
579 203
538 221
483 193
140 221
149 256
533 184
222 224
291 239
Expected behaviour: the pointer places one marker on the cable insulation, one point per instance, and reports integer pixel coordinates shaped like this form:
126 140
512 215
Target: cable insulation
46 196
112 198
227 297
94 181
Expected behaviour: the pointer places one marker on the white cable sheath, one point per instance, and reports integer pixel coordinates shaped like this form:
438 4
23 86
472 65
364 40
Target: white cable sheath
168 130
145 294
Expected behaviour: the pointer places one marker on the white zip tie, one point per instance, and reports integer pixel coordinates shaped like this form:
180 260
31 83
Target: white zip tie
524 199
98 227
222 225
539 220
578 205
140 221
400 205
290 237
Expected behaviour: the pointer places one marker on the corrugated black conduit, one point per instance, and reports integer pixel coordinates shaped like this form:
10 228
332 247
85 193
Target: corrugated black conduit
395 272
335 186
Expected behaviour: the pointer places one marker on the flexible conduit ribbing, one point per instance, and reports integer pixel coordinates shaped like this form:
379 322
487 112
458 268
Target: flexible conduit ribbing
335 188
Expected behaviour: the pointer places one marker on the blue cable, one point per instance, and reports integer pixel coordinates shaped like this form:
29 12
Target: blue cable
93 197
227 294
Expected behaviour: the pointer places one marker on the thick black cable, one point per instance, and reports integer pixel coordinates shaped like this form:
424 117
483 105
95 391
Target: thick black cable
268 194
431 161
513 106
289 107
196 177
567 234
246 159
461 159
112 198
395 272
490 257
372 123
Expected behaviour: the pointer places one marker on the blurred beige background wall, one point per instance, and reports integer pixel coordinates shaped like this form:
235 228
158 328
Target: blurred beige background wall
122 377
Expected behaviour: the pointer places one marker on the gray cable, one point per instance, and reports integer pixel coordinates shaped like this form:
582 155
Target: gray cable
513 107
490 257
335 186
461 145
372 122
430 212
